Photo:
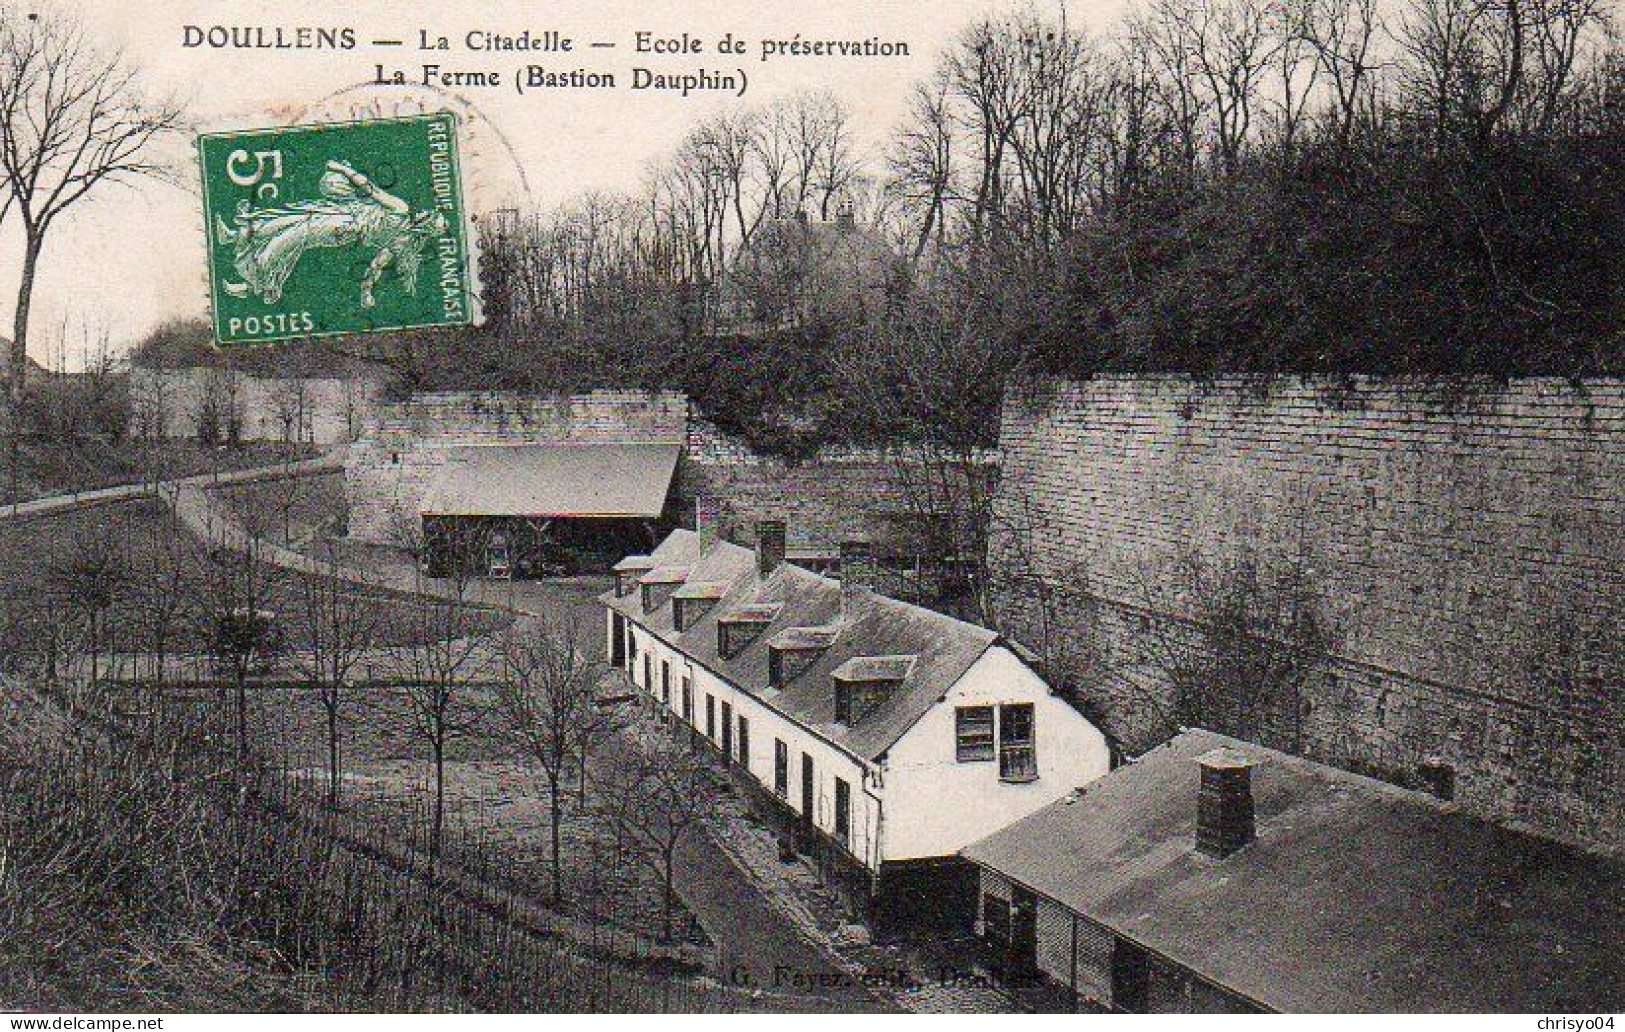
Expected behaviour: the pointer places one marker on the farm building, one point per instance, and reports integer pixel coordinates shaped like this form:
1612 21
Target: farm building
536 509
511 486
1214 875
885 737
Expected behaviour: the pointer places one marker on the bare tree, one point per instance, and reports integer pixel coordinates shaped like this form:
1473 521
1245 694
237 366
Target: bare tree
548 712
922 162
337 628
657 797
1237 640
93 580
72 117
238 589
1343 35
447 651
925 383
163 590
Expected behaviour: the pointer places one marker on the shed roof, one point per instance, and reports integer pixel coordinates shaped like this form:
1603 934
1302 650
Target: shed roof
701 590
558 479
879 626
874 668
1355 896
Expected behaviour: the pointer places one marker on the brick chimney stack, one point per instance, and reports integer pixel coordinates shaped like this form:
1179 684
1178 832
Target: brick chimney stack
707 521
858 576
1224 803
769 546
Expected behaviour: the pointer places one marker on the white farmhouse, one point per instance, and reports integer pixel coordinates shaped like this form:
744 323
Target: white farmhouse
887 736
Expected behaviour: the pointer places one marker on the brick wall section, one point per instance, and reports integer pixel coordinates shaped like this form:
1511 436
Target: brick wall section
1467 560
166 403
837 494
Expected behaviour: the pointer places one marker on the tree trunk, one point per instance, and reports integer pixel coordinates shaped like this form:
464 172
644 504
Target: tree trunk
333 754
438 819
666 895
95 651
18 360
581 789
555 808
242 716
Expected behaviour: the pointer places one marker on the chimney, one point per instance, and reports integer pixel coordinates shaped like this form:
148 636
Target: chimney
1224 803
707 520
857 576
769 546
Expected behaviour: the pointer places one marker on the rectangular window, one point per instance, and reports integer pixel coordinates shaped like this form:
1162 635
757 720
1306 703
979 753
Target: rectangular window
648 673
728 730
665 682
711 717
807 788
775 668
973 733
843 812
688 701
781 769
744 742
1018 755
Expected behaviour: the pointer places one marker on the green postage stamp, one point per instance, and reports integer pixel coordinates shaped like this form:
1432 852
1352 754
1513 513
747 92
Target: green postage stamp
348 227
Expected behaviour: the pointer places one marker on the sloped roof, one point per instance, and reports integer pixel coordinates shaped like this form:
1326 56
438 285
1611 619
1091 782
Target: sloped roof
1356 895
559 479
883 626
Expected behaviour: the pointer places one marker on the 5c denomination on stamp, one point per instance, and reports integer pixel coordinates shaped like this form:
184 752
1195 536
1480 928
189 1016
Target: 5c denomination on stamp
346 227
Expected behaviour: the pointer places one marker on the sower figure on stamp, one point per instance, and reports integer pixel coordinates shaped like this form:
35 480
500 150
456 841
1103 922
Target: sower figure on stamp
268 242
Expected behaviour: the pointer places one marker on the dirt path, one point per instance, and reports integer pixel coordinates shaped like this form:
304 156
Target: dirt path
52 505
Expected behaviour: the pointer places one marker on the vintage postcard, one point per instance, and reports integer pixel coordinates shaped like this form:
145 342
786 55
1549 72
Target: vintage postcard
968 507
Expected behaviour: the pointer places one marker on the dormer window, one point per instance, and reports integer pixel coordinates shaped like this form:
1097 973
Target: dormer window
793 650
864 682
692 601
627 572
658 584
738 628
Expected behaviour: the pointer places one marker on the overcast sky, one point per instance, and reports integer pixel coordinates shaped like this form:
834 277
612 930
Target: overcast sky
130 258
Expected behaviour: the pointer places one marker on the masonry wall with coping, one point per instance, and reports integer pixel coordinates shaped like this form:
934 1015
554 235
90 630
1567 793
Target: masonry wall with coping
837 494
169 403
834 495
1465 557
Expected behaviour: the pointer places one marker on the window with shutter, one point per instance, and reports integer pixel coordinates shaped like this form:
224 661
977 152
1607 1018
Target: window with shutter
843 812
973 733
1018 753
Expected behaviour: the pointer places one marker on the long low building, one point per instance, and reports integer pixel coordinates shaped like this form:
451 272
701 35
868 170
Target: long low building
890 736
1215 875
